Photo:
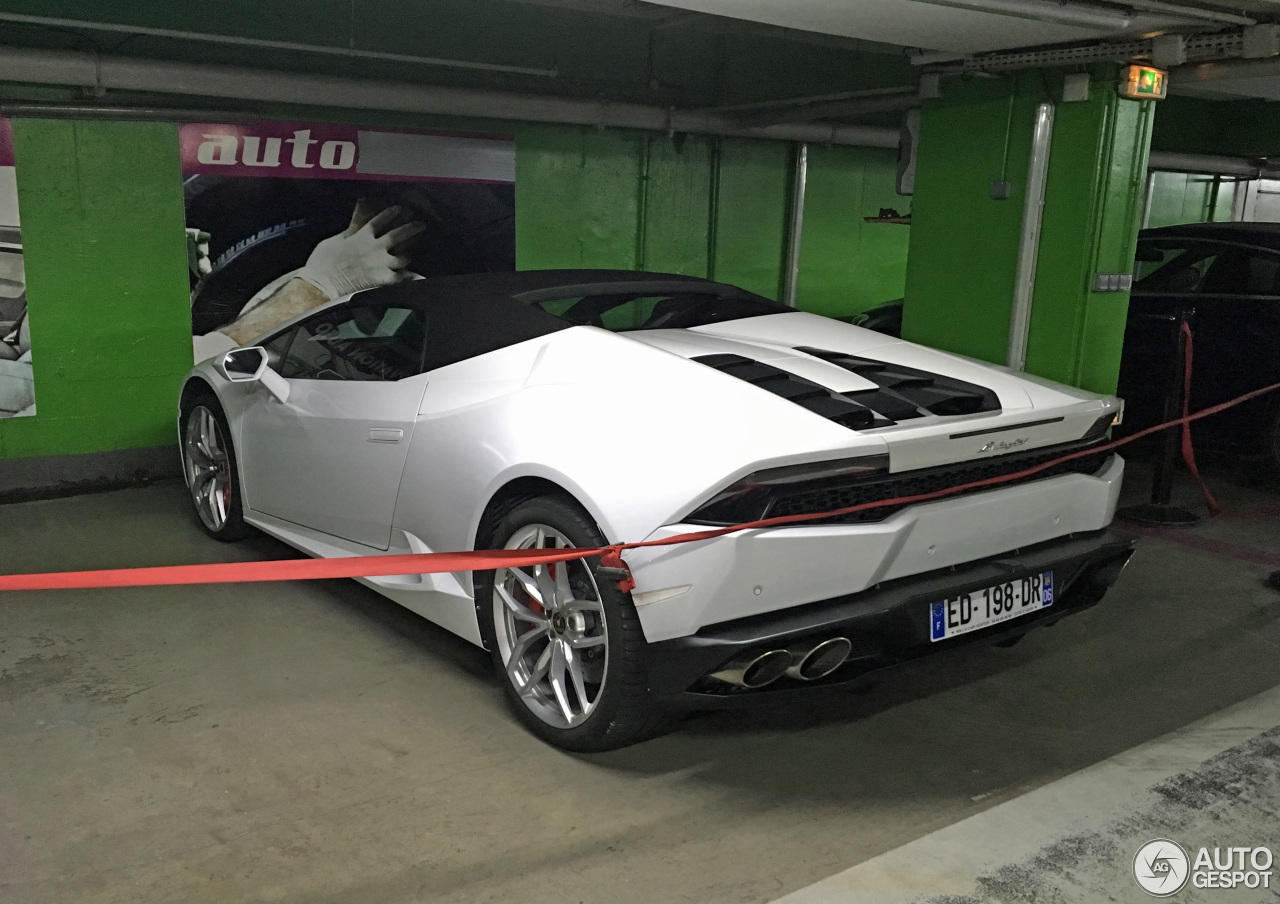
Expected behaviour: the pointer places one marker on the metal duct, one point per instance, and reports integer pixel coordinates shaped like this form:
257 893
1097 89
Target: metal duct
1029 244
1211 165
104 73
795 225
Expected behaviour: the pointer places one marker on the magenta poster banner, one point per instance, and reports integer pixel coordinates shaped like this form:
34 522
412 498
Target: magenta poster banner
17 381
283 217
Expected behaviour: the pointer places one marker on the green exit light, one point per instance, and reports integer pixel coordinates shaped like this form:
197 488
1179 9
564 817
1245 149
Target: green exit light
1143 83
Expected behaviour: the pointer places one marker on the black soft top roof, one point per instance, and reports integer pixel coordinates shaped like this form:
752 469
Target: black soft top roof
1265 235
477 313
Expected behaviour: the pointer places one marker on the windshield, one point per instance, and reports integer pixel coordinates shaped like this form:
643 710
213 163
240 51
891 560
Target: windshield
622 312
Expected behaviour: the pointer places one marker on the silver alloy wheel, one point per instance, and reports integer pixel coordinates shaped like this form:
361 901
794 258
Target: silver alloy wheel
551 631
208 466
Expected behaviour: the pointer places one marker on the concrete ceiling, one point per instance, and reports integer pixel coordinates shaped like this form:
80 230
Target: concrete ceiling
956 26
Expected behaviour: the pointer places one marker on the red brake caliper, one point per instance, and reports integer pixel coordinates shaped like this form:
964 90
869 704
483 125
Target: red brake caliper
534 606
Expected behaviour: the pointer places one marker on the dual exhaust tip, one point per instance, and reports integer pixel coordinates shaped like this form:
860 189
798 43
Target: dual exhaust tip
801 662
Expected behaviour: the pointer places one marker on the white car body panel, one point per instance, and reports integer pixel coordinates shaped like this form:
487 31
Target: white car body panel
642 437
797 565
332 457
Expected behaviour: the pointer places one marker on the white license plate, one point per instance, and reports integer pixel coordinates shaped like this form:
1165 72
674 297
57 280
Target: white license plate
990 605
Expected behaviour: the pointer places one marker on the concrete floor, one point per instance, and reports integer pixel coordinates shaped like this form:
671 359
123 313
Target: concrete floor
313 742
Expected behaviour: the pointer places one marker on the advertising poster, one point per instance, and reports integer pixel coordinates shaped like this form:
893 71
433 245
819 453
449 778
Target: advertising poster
17 385
282 217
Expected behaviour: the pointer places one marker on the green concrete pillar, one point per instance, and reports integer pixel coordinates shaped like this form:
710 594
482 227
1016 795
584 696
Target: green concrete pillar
964 243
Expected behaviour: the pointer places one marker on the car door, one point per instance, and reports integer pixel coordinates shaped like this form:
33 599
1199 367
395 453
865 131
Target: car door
332 456
1168 273
1237 334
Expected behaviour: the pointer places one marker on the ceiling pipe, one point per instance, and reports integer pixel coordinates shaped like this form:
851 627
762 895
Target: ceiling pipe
1235 69
1212 165
789 102
265 44
118 113
99 74
840 109
1194 13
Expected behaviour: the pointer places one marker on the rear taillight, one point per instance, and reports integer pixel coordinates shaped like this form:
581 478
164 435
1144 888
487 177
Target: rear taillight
750 498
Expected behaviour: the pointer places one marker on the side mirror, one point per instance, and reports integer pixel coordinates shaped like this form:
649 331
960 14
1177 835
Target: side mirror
250 365
243 365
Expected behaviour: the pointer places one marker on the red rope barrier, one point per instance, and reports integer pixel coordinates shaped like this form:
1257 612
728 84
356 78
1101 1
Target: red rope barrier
1188 451
480 560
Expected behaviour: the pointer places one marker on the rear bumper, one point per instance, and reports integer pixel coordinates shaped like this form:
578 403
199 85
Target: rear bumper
887 624
756 572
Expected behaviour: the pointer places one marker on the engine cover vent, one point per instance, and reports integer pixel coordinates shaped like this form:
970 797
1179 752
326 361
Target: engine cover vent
843 409
906 392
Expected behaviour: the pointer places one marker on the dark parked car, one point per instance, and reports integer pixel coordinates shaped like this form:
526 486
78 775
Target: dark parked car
1227 277
887 319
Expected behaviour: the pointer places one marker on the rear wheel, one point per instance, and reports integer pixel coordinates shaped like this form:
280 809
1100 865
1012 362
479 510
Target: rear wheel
209 465
566 642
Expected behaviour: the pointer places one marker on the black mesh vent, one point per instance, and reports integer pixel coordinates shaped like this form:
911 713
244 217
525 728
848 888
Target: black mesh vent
805 393
836 494
905 390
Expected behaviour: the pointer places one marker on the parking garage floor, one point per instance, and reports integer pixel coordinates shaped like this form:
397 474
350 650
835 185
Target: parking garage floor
314 742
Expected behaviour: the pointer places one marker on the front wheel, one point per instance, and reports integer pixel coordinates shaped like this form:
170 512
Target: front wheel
567 644
209 465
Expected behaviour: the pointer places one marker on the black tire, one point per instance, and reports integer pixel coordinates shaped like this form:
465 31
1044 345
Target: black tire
625 711
231 526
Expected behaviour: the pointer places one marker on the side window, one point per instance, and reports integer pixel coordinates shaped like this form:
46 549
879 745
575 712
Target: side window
630 314
277 348
1243 272
358 341
1172 267
628 311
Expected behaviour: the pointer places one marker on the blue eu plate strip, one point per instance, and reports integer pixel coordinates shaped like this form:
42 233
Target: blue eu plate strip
938 620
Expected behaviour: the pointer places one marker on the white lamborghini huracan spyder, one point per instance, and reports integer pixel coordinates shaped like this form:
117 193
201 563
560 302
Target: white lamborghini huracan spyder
581 408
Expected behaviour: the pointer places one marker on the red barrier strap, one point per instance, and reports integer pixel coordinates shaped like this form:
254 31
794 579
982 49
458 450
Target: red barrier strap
1188 450
483 560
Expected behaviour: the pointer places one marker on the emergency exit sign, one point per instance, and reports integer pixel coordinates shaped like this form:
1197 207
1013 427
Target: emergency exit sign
1144 83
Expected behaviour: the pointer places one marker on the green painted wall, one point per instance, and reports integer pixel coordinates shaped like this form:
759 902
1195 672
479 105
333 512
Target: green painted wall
1093 209
576 198
709 207
964 244
102 215
847 264
102 229
753 185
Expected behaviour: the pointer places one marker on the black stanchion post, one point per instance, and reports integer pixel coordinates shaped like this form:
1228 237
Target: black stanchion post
1160 510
